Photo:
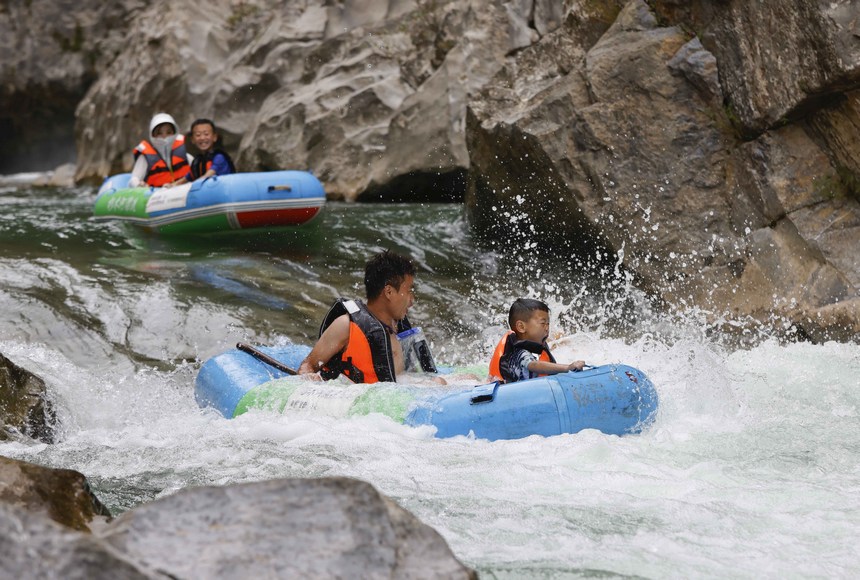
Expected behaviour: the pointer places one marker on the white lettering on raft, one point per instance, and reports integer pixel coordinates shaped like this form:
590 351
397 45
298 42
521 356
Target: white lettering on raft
122 204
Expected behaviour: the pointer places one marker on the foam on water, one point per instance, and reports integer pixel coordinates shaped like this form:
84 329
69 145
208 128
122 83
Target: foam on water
750 468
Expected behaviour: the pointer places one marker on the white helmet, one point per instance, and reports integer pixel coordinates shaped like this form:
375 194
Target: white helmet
160 119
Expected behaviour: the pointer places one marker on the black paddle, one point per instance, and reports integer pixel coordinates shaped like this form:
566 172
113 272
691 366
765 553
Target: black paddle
265 358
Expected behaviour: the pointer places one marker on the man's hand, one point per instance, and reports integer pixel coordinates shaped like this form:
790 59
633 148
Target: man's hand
576 365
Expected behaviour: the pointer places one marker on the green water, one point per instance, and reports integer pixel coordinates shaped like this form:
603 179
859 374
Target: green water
750 469
159 300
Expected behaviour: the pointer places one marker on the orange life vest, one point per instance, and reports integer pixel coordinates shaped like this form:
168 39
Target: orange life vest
505 349
158 173
368 357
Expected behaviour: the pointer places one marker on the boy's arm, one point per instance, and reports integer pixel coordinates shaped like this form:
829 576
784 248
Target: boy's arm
550 368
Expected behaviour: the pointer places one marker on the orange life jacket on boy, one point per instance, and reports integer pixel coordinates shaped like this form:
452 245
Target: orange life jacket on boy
499 364
158 173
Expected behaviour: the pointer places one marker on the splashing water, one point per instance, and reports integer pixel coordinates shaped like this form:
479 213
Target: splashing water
750 469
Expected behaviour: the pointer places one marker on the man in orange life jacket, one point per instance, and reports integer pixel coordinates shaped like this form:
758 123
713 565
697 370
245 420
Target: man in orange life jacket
360 340
523 353
162 159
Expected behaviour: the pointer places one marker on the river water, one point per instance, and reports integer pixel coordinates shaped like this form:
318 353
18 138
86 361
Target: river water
751 469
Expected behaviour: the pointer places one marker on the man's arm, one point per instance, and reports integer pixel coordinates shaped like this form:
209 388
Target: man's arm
332 341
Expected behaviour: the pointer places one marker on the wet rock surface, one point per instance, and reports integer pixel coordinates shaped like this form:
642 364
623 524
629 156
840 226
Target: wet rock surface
25 408
310 528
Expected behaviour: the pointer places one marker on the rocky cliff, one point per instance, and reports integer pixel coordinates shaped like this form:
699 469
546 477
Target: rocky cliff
710 149
716 157
51 52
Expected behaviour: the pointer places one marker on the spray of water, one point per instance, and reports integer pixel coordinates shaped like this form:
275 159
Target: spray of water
750 465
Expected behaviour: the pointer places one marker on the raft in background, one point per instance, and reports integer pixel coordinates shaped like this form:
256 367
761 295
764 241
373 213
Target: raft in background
615 399
238 201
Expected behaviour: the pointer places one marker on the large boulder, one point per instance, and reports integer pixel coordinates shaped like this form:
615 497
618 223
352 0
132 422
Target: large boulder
34 546
25 407
800 222
624 150
64 495
286 528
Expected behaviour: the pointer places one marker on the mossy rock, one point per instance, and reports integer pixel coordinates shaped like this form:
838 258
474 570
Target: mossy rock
64 495
24 404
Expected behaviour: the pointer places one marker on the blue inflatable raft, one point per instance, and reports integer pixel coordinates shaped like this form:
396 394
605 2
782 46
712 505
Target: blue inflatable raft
240 201
614 399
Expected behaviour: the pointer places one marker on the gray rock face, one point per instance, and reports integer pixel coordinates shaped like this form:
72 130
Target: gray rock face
33 546
289 528
624 147
24 403
51 51
782 59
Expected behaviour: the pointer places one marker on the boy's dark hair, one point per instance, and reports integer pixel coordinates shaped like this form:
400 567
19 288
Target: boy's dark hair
523 308
386 268
204 122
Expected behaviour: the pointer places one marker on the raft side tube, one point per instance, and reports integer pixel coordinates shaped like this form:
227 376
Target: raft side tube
287 184
615 399
495 411
224 379
114 182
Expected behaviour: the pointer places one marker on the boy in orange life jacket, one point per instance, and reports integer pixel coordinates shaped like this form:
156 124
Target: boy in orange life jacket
360 340
523 353
161 160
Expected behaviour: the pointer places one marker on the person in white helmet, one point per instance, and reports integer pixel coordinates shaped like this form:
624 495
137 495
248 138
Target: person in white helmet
161 160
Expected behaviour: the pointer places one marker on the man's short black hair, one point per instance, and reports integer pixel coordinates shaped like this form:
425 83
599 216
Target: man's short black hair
386 268
523 309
